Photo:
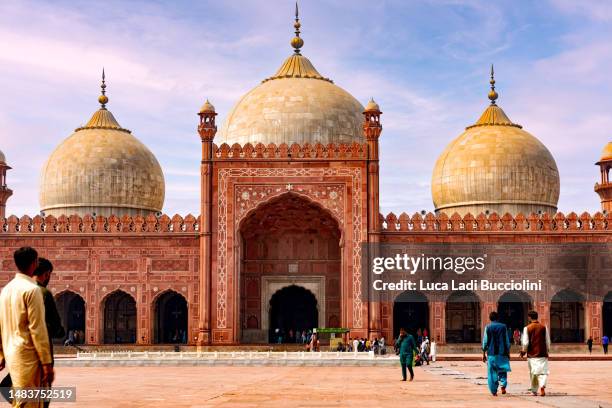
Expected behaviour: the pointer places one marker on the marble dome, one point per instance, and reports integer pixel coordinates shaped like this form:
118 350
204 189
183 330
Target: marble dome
295 105
103 169
495 166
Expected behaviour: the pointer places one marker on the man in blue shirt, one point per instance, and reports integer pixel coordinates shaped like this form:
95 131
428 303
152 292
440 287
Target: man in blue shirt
604 342
496 353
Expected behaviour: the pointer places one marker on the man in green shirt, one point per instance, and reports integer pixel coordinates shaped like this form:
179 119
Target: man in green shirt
407 347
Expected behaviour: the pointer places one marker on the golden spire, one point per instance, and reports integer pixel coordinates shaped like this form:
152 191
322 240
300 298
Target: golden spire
492 93
297 65
103 118
493 115
297 42
103 99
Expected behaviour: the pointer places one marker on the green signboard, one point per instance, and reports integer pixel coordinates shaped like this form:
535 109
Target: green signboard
336 330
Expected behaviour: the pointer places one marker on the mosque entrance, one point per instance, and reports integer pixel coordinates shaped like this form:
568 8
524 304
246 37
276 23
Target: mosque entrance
463 317
71 308
292 310
119 318
512 308
411 312
170 318
606 315
567 317
290 269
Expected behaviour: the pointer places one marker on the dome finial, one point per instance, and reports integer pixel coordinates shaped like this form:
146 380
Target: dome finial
103 99
297 42
492 93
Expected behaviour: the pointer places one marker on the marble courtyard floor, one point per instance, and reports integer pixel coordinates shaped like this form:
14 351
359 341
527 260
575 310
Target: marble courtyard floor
443 384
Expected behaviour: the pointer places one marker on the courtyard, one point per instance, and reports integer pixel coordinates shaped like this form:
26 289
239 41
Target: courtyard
442 384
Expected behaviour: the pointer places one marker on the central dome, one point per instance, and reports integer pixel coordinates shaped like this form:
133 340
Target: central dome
295 105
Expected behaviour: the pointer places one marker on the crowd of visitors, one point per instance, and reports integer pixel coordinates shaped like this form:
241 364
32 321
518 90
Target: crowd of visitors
292 336
363 345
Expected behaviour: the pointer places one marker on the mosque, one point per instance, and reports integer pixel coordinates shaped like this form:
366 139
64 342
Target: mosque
289 200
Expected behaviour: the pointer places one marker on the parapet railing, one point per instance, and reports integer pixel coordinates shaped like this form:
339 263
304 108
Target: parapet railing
389 223
283 151
545 222
224 355
89 224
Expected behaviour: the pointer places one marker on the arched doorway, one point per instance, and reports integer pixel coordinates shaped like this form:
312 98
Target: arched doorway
411 312
171 317
512 308
292 309
71 308
288 240
606 315
567 317
463 317
119 318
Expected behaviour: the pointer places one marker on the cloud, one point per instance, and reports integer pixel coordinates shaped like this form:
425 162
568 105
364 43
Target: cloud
425 62
594 9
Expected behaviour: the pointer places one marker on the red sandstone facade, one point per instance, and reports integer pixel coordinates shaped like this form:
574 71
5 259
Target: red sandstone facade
274 216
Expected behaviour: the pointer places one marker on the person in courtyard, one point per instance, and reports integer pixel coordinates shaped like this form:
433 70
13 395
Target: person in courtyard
24 346
605 340
425 350
433 351
536 344
407 349
590 344
52 317
53 321
516 336
496 353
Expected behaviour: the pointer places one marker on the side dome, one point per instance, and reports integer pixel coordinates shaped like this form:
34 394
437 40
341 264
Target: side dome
295 105
103 169
606 153
497 166
2 157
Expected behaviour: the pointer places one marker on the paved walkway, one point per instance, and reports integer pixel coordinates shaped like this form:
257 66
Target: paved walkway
445 384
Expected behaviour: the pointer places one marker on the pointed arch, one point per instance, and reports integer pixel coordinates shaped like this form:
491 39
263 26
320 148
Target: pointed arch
171 316
119 318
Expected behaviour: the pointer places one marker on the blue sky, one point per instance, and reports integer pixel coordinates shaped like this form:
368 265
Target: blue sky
426 62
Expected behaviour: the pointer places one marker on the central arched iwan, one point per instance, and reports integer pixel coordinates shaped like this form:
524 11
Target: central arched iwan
294 240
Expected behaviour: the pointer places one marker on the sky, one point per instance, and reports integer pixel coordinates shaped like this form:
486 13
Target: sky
426 63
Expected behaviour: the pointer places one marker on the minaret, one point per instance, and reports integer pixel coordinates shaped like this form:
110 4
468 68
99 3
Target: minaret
5 192
207 130
604 188
371 130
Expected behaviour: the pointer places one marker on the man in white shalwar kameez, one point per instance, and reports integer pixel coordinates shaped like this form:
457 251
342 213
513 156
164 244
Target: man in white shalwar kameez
24 342
535 343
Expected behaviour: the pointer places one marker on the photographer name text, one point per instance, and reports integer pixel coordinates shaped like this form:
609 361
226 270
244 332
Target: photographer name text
473 284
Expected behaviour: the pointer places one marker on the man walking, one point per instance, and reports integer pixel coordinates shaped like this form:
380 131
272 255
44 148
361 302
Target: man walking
52 317
536 344
42 274
604 343
496 353
25 346
407 346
